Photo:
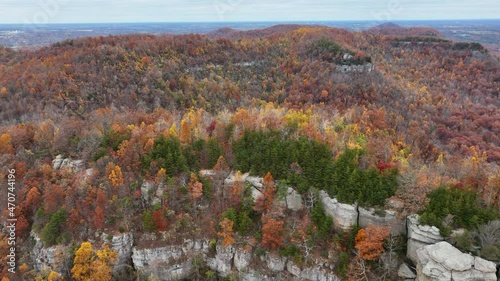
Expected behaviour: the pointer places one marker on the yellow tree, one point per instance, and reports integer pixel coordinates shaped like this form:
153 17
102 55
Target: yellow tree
89 265
115 175
82 263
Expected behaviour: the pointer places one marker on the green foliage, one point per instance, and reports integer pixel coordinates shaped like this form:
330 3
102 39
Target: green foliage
260 152
368 188
168 154
325 48
469 46
322 221
491 253
342 266
111 139
208 189
292 251
147 222
463 241
464 205
53 230
243 219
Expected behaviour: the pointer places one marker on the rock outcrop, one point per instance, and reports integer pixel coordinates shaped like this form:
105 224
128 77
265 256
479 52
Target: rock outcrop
344 216
312 274
419 236
361 68
168 263
442 261
50 258
293 200
122 244
222 261
242 259
389 218
405 272
67 163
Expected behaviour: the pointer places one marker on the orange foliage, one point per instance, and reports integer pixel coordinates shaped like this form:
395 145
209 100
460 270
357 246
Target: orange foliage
6 144
370 242
272 233
195 188
159 220
226 232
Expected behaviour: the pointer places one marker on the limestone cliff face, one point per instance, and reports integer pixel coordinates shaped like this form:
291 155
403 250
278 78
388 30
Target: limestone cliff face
442 261
420 236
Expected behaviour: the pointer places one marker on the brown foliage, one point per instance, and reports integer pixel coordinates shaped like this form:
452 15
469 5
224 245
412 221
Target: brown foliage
370 242
272 233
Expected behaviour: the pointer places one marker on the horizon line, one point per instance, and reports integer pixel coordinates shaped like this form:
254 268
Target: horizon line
250 21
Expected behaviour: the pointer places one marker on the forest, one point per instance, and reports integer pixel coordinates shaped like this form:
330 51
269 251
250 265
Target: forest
367 117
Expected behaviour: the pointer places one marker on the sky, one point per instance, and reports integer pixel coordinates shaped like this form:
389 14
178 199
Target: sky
103 11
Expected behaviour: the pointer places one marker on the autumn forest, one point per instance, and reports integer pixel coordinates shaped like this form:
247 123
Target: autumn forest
153 128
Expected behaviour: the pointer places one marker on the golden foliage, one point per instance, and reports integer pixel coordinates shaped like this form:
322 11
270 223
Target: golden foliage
88 265
115 175
226 232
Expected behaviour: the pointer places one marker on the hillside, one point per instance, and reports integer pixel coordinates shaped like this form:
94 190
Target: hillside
140 137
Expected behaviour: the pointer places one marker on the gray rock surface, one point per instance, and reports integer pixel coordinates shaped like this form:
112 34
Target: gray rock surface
242 259
405 272
419 236
122 244
344 216
389 218
275 262
67 163
255 181
293 200
442 261
222 261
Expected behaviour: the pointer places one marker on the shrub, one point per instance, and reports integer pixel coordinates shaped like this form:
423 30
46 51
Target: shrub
464 206
52 231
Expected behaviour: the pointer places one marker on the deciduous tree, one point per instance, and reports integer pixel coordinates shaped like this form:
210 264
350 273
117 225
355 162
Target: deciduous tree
370 242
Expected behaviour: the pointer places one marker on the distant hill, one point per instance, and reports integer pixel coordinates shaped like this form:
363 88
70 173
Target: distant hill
256 33
396 30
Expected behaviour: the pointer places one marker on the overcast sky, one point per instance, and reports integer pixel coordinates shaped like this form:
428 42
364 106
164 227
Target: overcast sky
90 11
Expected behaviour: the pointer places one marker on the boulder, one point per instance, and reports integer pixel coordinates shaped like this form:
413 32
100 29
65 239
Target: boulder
275 263
242 259
419 236
222 261
255 181
229 181
255 193
60 163
442 261
344 216
293 200
56 163
389 218
405 272
207 173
